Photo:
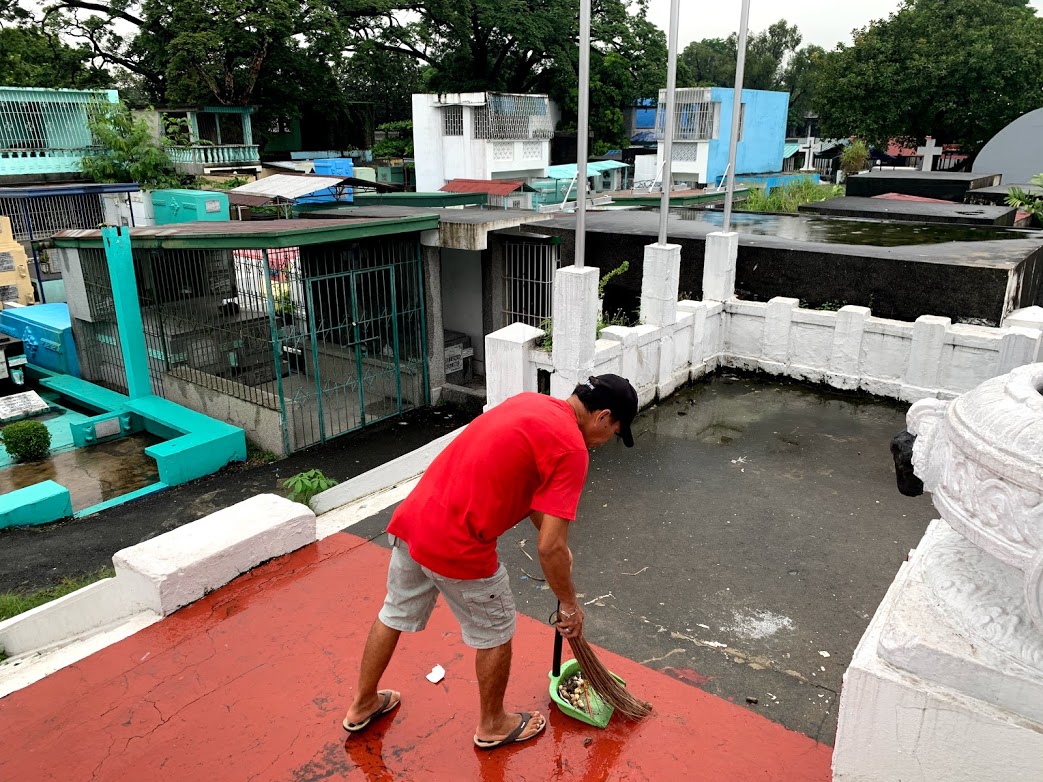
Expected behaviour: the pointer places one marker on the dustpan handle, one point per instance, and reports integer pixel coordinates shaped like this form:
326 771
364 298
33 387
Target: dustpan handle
556 666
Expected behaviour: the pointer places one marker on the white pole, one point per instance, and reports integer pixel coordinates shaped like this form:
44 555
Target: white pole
740 72
668 131
582 130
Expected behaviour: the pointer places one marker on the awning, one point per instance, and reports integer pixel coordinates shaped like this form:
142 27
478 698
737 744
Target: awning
493 187
290 186
594 167
790 150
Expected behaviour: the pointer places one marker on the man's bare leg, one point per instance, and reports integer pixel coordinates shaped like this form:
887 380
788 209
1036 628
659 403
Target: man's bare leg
380 646
493 667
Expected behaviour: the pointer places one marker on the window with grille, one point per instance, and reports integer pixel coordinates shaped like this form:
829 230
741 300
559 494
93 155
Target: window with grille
696 117
453 120
480 119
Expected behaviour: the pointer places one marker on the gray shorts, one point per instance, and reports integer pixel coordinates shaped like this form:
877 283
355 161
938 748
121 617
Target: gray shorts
484 607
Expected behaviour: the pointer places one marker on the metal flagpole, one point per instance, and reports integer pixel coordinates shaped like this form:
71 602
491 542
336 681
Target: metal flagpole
582 130
668 131
740 72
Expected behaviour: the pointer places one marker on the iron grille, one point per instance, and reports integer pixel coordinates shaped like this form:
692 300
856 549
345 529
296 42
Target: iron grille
696 117
331 336
519 117
529 269
453 120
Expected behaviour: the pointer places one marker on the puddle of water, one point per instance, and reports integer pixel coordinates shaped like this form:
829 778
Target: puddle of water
92 475
831 230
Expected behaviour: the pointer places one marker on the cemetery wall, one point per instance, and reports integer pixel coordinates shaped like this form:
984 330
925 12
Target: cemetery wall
849 349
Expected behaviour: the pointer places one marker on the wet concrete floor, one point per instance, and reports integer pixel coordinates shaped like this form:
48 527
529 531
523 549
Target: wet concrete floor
92 475
741 547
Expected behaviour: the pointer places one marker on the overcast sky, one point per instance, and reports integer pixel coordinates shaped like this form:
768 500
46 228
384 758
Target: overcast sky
823 22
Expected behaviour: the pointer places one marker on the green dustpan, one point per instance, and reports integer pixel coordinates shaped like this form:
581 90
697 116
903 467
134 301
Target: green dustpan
597 712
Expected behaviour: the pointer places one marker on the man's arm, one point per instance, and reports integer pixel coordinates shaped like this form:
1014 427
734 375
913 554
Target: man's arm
552 544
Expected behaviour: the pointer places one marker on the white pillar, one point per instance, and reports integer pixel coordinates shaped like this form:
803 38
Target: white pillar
925 358
508 367
575 323
845 358
660 279
719 264
778 322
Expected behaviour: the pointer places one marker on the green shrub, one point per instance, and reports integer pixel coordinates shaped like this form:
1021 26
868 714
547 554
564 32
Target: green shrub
1033 204
788 197
305 485
26 441
854 157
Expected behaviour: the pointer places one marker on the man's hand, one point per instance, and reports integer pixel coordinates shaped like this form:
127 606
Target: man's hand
556 561
570 621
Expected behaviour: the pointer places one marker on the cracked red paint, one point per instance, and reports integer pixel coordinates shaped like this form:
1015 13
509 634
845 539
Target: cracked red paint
250 684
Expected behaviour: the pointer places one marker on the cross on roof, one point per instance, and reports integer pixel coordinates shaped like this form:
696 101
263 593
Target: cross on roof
929 152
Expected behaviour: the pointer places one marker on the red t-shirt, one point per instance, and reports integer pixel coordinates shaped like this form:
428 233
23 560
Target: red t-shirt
523 455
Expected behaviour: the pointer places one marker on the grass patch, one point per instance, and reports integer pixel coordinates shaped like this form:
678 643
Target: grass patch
14 603
790 196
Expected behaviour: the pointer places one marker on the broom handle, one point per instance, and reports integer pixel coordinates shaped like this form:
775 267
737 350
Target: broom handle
556 668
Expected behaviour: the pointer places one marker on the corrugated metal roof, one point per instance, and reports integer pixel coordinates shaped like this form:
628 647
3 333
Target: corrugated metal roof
495 187
790 150
569 170
289 186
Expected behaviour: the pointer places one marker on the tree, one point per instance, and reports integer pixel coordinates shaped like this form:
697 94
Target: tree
711 62
127 150
34 56
958 70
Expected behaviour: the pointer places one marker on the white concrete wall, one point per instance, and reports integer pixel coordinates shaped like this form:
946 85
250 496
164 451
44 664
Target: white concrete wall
462 299
848 349
427 143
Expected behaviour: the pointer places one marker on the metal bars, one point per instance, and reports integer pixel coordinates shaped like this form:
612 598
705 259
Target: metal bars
696 117
42 217
330 336
452 120
528 276
519 117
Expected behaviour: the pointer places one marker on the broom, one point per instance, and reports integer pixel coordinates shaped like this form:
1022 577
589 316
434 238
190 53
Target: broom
604 683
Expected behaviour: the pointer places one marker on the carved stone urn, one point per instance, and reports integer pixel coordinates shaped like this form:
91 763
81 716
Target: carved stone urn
981 457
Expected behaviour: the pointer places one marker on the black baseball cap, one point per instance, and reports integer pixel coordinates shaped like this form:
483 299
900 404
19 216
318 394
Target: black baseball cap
615 394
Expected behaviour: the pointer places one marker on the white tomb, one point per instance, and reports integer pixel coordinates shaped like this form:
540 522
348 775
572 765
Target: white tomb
947 683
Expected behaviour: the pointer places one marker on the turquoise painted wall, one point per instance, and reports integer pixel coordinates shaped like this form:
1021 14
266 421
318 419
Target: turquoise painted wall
763 138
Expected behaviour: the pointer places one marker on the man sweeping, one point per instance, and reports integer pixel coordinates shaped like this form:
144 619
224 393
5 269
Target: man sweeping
525 457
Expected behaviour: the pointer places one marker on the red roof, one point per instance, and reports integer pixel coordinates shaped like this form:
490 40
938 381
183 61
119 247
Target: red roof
495 187
920 199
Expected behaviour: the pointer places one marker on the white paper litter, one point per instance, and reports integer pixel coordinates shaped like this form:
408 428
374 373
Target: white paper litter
436 675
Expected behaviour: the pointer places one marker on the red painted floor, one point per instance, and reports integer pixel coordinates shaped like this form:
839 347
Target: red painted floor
251 683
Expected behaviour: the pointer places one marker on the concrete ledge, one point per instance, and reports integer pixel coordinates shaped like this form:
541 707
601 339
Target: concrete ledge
181 566
383 477
94 608
40 503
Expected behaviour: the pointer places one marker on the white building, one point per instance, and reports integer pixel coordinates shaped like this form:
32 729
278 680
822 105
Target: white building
480 135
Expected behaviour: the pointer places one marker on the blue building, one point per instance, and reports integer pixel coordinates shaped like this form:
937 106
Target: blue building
702 126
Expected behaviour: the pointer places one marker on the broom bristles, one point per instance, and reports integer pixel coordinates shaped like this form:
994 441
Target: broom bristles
604 683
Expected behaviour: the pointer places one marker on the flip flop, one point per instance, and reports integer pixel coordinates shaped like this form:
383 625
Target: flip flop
512 737
384 708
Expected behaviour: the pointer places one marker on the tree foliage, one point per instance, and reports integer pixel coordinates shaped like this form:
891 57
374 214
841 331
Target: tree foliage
958 70
288 58
775 60
32 55
127 149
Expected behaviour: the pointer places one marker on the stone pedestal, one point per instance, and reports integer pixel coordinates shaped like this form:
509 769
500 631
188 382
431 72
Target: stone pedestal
719 263
947 683
660 279
575 319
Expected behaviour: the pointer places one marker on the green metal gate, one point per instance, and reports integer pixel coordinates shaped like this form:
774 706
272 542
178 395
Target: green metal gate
361 357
